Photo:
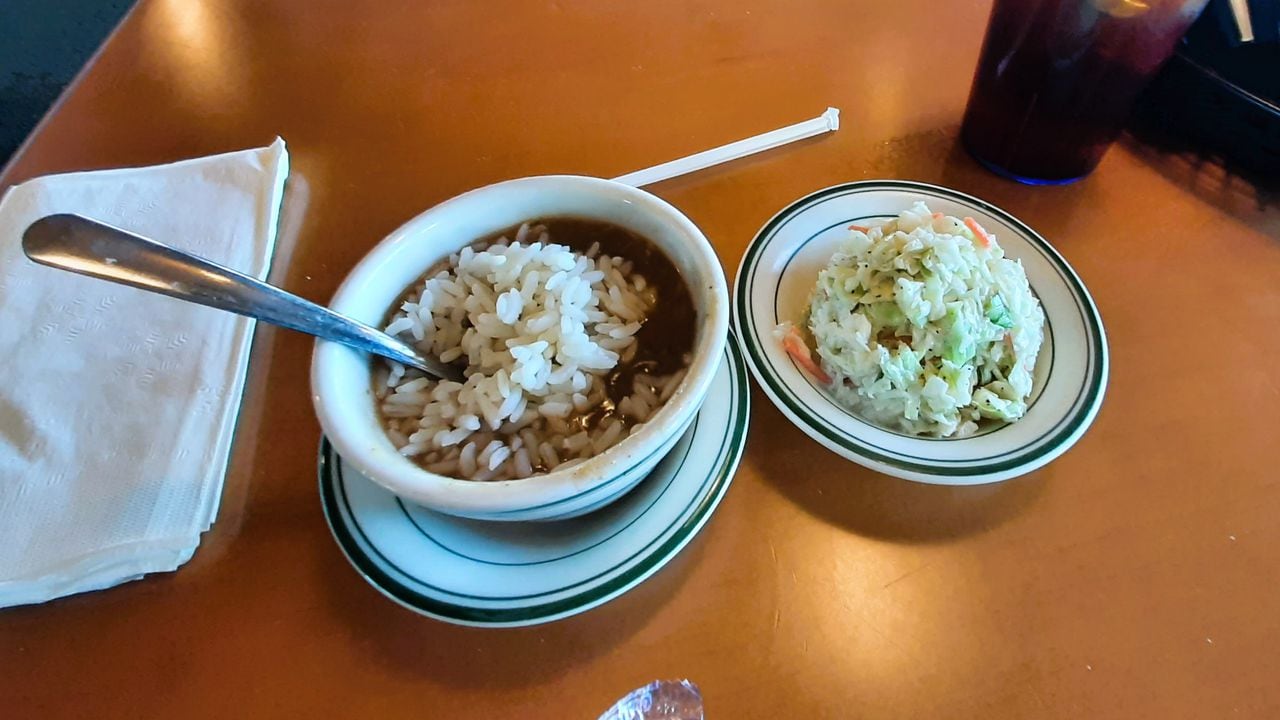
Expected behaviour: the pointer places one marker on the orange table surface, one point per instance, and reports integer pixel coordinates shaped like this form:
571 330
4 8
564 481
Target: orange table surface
1134 577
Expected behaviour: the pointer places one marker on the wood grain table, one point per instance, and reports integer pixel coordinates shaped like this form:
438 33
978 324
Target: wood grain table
1136 577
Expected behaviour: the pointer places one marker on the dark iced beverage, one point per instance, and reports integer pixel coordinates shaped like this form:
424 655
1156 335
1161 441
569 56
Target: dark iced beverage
1056 80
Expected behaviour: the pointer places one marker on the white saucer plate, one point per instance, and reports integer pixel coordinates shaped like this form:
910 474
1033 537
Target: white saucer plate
773 284
481 573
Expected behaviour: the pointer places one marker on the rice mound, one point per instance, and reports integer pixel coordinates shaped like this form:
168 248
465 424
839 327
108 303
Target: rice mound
540 327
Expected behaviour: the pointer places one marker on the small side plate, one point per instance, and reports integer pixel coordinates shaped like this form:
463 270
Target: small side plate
474 572
778 272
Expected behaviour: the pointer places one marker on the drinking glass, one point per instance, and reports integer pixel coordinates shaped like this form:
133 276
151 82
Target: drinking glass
1056 80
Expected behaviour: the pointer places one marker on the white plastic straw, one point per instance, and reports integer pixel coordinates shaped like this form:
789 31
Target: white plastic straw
1244 21
826 122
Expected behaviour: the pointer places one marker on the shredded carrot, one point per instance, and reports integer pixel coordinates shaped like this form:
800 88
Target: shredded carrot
795 347
984 239
860 228
937 216
1008 341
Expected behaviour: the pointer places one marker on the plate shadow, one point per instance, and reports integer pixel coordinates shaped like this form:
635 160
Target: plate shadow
405 643
868 503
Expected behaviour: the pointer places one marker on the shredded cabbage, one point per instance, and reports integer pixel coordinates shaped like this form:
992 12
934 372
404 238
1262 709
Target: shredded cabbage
926 327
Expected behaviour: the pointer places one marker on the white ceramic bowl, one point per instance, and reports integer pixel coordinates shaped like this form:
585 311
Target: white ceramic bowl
340 377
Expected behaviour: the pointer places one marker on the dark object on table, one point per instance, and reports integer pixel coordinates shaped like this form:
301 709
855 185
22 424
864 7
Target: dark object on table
44 44
1056 80
1220 96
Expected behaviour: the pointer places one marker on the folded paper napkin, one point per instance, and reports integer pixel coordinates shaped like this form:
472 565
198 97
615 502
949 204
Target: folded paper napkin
117 406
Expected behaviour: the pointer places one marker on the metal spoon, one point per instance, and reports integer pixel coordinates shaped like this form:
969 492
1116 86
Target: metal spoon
88 247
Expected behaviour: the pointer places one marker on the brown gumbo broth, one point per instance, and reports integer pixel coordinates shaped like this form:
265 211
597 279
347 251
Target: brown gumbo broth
666 337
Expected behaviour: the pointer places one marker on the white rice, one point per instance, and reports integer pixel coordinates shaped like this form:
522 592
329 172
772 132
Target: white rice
540 327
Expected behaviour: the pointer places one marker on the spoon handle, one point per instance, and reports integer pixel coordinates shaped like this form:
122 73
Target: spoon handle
87 247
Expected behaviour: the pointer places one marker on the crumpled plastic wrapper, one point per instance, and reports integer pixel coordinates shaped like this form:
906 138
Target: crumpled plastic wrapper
659 700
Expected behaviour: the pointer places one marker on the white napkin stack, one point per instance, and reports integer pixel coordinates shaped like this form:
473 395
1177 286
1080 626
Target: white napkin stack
117 406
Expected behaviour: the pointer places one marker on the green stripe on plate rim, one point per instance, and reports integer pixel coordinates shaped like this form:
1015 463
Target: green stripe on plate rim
731 452
341 478
1076 416
353 522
